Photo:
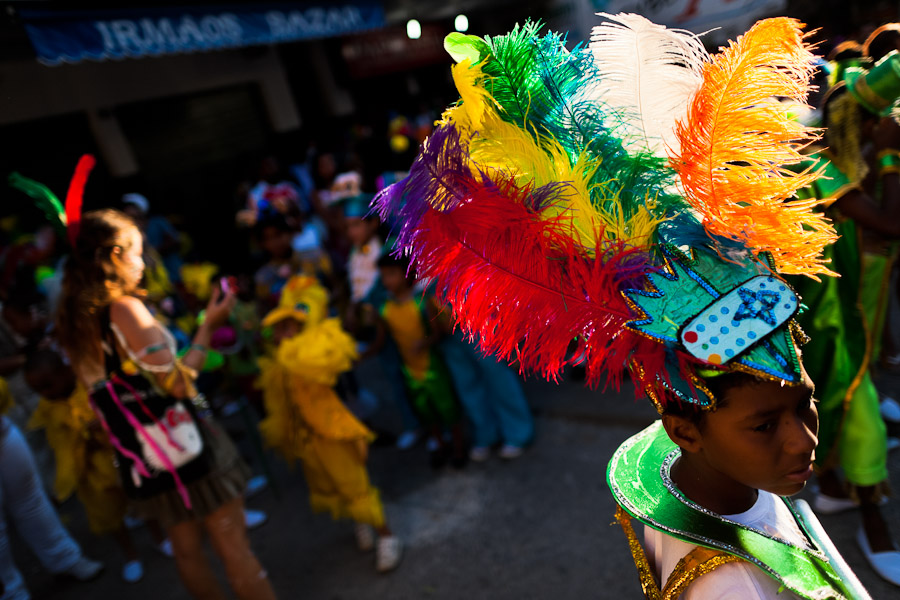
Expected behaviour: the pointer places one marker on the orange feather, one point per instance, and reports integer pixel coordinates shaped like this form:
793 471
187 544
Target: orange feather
738 141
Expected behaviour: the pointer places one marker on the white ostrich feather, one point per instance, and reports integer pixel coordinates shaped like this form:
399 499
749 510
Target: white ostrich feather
649 74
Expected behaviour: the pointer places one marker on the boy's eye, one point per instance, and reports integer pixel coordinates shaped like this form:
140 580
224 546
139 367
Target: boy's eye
764 427
807 405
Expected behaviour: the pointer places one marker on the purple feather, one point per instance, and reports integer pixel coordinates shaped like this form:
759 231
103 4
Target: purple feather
439 179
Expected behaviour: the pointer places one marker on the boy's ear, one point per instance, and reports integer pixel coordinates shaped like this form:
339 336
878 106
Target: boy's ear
683 432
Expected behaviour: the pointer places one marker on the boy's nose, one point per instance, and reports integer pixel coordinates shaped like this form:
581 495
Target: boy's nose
802 438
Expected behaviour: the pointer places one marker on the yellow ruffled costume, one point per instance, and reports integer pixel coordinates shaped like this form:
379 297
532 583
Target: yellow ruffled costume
305 418
84 459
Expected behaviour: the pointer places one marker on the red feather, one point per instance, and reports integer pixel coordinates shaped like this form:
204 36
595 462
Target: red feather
527 291
75 195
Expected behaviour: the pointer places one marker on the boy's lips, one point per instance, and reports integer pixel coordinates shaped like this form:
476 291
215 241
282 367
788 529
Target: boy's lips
802 474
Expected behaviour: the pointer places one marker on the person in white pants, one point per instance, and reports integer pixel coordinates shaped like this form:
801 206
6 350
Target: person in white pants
24 502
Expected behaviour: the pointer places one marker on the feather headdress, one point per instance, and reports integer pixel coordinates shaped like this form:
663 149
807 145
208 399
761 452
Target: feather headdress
66 219
546 206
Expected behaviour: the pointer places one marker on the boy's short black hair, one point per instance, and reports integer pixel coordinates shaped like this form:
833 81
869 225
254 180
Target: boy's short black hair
389 260
276 221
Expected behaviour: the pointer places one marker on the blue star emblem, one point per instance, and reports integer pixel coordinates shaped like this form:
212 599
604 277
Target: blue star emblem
757 305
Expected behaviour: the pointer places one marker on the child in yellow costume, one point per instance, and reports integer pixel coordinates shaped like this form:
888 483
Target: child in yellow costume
307 421
84 456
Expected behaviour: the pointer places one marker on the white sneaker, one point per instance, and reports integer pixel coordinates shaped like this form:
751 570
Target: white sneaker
85 569
829 505
479 453
890 410
254 518
165 547
886 564
365 536
510 452
133 571
407 439
388 553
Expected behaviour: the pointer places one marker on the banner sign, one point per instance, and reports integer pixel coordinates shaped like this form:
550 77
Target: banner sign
71 36
390 50
722 19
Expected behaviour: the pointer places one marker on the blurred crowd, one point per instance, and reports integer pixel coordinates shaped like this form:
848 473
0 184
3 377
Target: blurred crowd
318 287
319 294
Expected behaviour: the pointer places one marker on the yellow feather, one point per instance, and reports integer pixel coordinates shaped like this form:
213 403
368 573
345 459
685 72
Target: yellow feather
474 99
506 150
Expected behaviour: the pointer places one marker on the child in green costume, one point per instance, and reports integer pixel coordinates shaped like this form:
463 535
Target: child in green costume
409 318
845 316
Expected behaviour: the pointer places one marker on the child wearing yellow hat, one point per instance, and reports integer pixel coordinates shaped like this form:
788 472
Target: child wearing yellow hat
307 421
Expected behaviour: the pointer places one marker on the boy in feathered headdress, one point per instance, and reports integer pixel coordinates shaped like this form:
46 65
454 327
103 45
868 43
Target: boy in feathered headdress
634 195
307 421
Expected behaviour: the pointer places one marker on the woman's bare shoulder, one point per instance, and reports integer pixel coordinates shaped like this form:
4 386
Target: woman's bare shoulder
128 311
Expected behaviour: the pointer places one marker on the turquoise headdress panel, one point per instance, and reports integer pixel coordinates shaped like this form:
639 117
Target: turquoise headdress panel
730 312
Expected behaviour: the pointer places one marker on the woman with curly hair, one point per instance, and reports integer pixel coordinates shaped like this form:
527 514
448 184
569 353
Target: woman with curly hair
171 464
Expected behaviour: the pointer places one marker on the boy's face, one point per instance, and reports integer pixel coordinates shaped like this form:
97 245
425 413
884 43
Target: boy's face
52 384
764 436
394 280
360 231
275 242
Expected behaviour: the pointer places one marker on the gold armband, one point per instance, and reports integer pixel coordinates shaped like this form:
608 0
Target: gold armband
888 162
187 374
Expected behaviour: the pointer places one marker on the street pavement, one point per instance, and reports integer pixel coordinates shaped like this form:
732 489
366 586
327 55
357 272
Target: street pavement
539 527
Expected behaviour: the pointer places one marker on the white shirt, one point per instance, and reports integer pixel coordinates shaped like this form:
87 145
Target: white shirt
732 581
362 269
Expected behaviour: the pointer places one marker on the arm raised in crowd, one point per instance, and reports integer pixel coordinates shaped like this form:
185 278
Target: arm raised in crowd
146 341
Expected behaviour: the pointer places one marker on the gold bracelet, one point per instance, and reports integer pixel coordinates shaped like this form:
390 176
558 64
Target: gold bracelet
888 162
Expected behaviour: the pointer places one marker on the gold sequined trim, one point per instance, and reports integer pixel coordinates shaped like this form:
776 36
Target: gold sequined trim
696 563
646 574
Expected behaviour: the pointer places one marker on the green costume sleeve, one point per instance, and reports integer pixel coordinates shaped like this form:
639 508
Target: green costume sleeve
832 184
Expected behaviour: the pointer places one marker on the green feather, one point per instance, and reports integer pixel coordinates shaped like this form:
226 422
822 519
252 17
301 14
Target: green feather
546 89
45 199
461 46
